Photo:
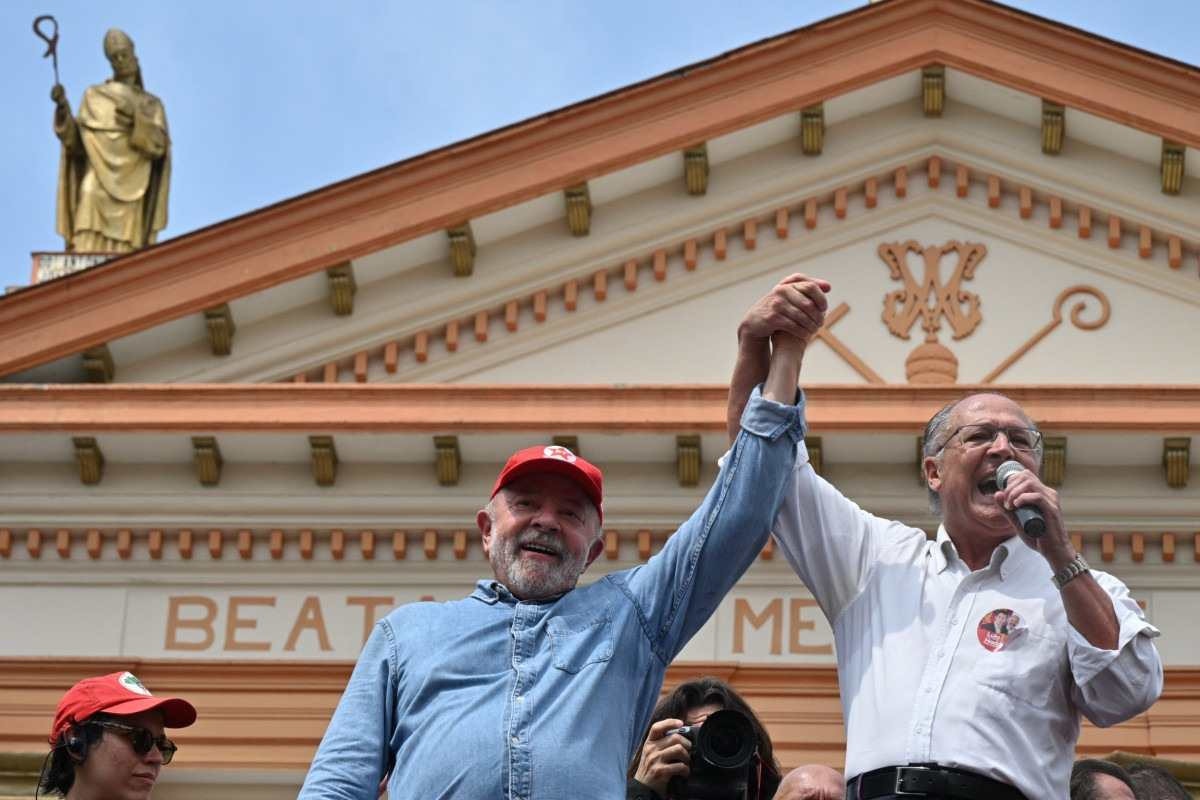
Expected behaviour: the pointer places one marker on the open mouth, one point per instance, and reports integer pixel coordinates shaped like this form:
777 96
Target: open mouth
988 486
542 550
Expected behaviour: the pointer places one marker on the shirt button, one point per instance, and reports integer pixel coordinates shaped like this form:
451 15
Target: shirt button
516 740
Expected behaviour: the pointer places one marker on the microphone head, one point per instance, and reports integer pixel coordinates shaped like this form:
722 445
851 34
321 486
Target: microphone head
1006 471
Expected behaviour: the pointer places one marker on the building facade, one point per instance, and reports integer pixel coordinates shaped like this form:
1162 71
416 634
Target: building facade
222 458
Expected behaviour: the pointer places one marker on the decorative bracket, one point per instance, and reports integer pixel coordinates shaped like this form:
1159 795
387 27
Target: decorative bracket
579 209
220 329
933 90
324 460
812 129
1173 155
342 287
1053 127
449 460
91 460
695 169
207 456
462 249
98 364
687 459
1176 460
1054 460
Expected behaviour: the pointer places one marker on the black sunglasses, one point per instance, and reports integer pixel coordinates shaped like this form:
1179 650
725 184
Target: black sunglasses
142 740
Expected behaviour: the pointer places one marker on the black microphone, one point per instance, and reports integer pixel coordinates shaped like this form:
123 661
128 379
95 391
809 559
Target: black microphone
1030 517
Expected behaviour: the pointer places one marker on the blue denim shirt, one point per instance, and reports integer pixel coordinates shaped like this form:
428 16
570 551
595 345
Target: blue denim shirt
494 697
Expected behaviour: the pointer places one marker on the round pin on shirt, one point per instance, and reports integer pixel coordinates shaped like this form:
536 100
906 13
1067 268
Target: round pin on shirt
997 628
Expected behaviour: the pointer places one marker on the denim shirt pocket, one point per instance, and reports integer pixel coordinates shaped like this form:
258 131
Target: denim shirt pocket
579 640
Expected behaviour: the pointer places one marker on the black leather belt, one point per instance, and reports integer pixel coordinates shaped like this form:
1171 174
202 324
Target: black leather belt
928 780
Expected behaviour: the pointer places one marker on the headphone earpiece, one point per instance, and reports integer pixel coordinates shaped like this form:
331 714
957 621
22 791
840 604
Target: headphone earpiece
76 744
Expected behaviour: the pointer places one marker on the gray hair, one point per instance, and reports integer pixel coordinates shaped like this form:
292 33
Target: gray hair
937 431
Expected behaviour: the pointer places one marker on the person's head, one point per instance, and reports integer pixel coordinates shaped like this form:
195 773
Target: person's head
108 738
1151 782
812 782
1095 779
964 444
118 49
693 701
542 527
999 620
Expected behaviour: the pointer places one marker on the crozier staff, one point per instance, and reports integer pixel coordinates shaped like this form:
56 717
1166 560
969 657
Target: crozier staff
965 662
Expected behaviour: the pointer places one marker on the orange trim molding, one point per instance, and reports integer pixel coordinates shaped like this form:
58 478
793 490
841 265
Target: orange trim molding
545 155
348 407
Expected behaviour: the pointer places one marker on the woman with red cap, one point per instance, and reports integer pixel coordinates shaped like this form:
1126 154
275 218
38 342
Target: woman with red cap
107 740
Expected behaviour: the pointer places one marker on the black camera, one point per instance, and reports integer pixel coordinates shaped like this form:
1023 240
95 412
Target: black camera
724 759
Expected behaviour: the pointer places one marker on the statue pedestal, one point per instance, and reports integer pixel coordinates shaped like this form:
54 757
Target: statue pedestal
47 266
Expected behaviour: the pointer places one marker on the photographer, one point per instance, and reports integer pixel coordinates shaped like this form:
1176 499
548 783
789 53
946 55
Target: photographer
665 755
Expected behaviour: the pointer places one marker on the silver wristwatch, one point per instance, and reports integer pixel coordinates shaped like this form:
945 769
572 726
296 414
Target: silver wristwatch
1074 568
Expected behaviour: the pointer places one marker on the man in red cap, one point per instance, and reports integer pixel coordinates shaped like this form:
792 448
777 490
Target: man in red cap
531 688
108 741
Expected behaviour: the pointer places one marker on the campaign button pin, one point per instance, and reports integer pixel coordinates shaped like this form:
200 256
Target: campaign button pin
997 628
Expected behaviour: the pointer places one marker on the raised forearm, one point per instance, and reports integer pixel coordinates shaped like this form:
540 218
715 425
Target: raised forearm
753 362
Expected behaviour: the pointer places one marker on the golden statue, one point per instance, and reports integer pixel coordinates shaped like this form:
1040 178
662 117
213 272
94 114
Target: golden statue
115 167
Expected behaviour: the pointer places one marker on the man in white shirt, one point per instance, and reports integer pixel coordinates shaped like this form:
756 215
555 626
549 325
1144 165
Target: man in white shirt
936 702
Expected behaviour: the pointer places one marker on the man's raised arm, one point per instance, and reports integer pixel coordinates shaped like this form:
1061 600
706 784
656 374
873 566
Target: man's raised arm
794 309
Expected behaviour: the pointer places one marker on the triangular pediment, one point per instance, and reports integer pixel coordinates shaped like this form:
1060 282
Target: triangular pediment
666 273
263 279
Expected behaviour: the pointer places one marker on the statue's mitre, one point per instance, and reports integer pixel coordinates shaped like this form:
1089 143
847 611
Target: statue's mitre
114 39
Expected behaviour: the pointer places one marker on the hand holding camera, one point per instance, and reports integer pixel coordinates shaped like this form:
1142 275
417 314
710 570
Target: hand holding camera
665 755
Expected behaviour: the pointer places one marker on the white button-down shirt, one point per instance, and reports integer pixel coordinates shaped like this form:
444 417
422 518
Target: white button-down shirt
922 680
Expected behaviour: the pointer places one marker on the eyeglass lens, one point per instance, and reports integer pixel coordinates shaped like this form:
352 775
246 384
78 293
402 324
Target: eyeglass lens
1020 438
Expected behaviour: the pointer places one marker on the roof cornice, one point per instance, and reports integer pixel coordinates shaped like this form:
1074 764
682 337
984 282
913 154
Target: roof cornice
338 408
543 155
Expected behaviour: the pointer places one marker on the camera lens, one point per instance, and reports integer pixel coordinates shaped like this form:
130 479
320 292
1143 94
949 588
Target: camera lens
727 739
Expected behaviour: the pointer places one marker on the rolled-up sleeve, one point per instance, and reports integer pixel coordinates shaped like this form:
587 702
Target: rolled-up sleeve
1113 685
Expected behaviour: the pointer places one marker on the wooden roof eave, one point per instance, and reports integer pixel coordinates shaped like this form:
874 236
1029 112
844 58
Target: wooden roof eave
492 408
530 159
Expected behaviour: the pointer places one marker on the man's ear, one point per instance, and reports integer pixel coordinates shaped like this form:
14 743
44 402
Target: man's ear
933 472
483 521
595 550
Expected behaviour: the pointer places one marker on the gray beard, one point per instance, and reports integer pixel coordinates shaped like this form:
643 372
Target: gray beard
532 580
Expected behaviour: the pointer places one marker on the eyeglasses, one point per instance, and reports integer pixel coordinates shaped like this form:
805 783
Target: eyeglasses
142 740
1028 440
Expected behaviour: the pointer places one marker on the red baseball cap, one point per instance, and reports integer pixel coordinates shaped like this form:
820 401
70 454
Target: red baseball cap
560 461
116 693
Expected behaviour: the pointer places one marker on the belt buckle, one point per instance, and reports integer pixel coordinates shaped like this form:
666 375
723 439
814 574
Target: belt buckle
901 773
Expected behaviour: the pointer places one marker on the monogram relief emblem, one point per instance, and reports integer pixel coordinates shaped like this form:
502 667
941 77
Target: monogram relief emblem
932 300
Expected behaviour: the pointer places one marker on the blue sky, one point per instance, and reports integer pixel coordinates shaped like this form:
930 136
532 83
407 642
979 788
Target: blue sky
268 99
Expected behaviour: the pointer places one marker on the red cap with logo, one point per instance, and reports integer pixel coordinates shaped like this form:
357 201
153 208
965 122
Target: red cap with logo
116 693
560 461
